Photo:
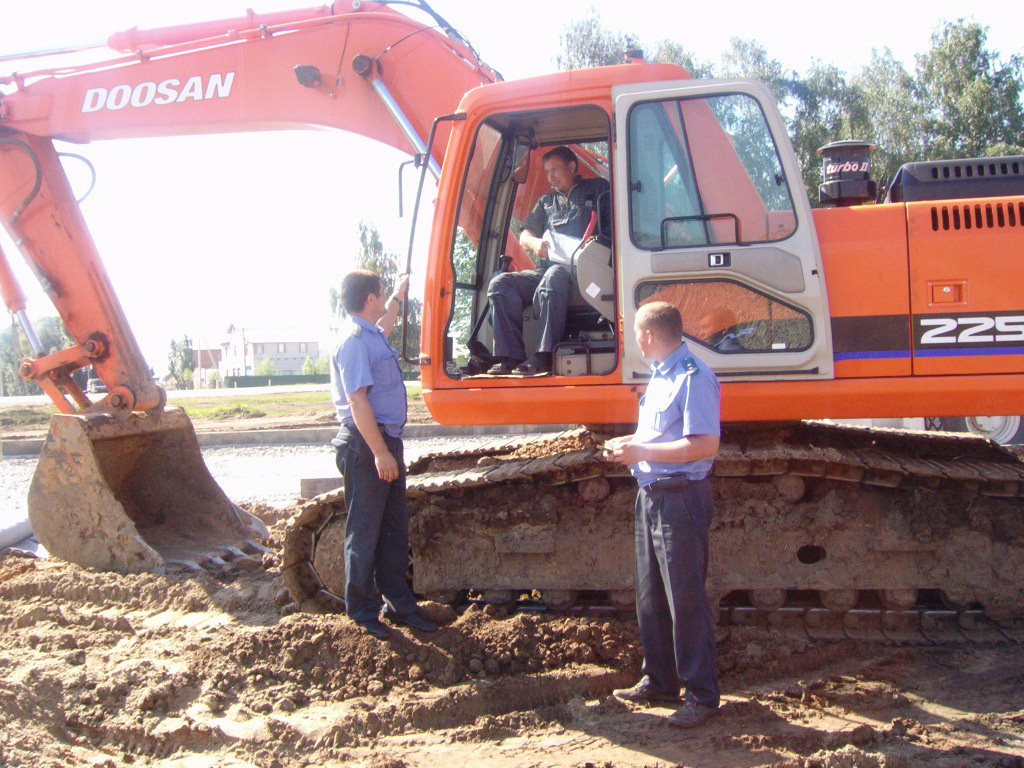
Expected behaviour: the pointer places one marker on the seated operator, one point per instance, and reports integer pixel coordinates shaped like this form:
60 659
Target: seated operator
552 231
714 331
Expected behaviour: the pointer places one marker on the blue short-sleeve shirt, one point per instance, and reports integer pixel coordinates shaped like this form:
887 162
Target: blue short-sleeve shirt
682 399
363 358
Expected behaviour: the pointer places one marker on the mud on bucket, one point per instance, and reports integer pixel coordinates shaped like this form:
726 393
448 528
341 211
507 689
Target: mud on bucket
132 495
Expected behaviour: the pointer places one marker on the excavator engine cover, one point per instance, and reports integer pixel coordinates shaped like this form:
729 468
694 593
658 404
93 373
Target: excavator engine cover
132 495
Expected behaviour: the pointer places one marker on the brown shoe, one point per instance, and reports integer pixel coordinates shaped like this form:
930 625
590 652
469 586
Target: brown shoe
644 692
690 715
504 367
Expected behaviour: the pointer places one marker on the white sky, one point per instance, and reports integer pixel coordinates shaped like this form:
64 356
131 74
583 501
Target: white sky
197 232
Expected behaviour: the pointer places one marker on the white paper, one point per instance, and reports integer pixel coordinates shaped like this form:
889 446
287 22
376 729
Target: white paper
561 247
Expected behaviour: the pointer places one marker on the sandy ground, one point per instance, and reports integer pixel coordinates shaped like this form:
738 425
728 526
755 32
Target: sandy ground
98 669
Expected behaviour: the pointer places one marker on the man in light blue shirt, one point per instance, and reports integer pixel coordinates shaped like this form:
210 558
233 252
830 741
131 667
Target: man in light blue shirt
670 455
369 395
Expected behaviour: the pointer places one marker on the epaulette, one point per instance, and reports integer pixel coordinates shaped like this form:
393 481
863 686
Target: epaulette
690 365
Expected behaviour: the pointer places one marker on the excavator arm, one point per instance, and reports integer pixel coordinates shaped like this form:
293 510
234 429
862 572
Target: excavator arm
121 483
357 66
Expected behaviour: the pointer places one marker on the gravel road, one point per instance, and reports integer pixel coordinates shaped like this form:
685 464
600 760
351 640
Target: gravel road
269 474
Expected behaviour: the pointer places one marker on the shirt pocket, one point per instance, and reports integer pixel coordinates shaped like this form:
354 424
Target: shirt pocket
663 402
384 369
663 418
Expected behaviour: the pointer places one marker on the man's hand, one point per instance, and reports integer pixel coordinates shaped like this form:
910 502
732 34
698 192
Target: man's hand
622 450
387 467
401 288
537 245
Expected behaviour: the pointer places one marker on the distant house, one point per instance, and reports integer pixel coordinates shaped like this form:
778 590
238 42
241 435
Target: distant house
286 348
206 358
205 367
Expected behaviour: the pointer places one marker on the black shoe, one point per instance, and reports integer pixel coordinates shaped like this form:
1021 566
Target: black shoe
412 620
644 692
690 715
503 367
374 628
537 365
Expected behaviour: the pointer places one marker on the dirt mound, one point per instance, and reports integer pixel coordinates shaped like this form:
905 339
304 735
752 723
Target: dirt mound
576 441
188 670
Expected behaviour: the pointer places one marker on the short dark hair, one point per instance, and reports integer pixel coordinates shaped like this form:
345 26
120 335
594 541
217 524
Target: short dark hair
564 154
356 287
662 319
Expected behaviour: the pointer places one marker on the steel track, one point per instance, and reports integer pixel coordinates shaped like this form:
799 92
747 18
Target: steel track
859 456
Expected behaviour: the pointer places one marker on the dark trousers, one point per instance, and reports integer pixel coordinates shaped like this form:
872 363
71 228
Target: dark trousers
676 625
376 532
547 287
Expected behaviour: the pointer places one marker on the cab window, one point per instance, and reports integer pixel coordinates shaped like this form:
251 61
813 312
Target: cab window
731 318
705 171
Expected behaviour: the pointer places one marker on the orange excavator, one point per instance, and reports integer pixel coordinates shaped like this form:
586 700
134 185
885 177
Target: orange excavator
856 310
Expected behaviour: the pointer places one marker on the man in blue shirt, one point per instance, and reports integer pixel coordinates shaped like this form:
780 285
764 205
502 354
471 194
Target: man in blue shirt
670 454
558 217
370 398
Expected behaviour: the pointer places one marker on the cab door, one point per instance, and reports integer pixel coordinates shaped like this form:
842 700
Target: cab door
711 215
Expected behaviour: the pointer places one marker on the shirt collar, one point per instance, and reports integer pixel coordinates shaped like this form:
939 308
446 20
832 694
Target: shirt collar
364 324
665 366
575 183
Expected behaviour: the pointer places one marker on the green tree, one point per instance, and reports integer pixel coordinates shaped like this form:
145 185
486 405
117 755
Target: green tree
671 52
372 255
588 43
14 348
322 365
464 260
827 106
972 98
750 59
264 367
895 116
308 367
179 362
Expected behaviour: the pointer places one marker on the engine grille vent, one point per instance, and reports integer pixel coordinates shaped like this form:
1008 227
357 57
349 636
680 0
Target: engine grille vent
977 216
966 169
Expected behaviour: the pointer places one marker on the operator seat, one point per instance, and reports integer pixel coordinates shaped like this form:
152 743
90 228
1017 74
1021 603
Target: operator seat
595 277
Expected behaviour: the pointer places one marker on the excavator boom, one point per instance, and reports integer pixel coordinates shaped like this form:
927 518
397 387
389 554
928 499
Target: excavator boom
356 66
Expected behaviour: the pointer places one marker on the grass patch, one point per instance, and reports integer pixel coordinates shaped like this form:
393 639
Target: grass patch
225 405
35 416
225 412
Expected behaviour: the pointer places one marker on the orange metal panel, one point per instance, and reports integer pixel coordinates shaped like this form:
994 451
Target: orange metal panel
512 403
864 255
973 249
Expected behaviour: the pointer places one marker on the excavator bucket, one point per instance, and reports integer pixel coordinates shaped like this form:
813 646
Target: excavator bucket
133 496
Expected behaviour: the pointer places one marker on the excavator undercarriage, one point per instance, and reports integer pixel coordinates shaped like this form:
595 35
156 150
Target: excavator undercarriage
843 531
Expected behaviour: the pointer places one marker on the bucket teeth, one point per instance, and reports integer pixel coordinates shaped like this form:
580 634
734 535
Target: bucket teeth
252 547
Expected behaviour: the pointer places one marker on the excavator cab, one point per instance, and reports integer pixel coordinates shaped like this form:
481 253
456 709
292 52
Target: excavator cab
503 181
704 211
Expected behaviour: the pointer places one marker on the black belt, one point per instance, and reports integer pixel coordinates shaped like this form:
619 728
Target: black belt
382 427
671 483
